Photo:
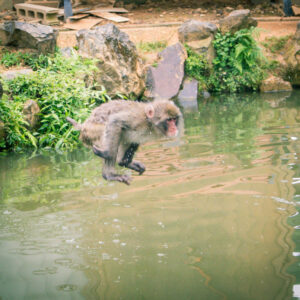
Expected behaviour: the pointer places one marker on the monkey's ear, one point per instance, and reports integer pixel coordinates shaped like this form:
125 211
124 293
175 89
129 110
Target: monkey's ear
149 111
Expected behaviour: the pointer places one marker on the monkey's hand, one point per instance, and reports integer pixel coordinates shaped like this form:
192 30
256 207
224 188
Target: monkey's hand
137 166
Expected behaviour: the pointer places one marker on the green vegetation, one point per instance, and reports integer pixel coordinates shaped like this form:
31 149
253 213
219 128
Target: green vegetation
196 66
59 89
276 44
152 46
237 66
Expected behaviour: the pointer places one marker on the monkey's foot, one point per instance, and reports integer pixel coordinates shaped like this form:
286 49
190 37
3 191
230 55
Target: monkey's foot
99 152
116 177
137 166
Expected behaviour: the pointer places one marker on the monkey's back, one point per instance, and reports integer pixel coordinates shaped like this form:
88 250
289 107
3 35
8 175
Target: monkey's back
92 129
102 113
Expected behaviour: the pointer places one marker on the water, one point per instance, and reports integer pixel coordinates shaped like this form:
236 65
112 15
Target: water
213 217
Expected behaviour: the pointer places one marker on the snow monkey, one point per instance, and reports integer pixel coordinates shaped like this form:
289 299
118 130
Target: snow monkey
115 130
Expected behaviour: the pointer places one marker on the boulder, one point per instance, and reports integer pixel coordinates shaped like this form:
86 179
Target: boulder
120 68
275 84
6 32
236 20
26 35
164 81
31 112
187 97
9 75
199 37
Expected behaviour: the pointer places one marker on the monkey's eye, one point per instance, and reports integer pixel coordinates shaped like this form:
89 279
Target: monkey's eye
172 119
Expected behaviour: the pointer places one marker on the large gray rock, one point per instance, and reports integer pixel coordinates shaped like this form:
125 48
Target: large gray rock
199 37
120 69
31 112
164 81
193 30
236 20
26 35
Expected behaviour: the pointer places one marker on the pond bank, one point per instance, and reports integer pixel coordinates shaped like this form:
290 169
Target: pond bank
271 26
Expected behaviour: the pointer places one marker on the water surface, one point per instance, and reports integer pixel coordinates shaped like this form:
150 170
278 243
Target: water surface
215 216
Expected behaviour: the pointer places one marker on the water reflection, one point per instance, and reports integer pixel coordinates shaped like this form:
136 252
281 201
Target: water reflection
214 217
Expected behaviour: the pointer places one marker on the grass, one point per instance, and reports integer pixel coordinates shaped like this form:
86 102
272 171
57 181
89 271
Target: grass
276 44
152 46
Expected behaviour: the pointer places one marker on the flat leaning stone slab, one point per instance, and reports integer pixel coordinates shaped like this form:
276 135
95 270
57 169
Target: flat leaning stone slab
164 81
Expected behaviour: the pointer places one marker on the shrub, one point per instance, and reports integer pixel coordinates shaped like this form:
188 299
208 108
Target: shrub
59 89
236 67
196 65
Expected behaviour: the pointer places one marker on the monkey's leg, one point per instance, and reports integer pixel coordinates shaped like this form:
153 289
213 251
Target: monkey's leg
113 135
127 161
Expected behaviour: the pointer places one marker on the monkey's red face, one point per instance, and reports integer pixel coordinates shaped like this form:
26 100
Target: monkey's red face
172 130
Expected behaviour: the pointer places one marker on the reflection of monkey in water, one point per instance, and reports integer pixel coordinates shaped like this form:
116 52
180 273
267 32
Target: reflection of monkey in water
117 128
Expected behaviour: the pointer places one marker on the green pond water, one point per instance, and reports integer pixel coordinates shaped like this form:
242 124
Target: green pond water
215 215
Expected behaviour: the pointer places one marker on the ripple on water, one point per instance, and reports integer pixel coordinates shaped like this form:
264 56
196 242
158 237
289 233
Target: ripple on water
63 261
67 287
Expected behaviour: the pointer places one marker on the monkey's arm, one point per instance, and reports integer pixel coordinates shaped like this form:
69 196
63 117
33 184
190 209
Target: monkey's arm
127 156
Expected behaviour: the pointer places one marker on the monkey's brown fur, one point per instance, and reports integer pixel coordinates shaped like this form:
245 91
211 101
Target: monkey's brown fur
116 129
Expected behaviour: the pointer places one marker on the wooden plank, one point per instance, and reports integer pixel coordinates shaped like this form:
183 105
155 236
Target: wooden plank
111 17
38 8
75 11
296 10
49 3
78 17
82 24
120 10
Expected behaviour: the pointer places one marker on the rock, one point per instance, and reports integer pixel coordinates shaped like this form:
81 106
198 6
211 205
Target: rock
205 94
67 51
9 75
164 81
6 32
236 20
275 84
26 35
120 69
199 37
187 97
193 30
31 112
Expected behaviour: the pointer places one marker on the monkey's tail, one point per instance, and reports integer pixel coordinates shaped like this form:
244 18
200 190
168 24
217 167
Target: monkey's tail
76 125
